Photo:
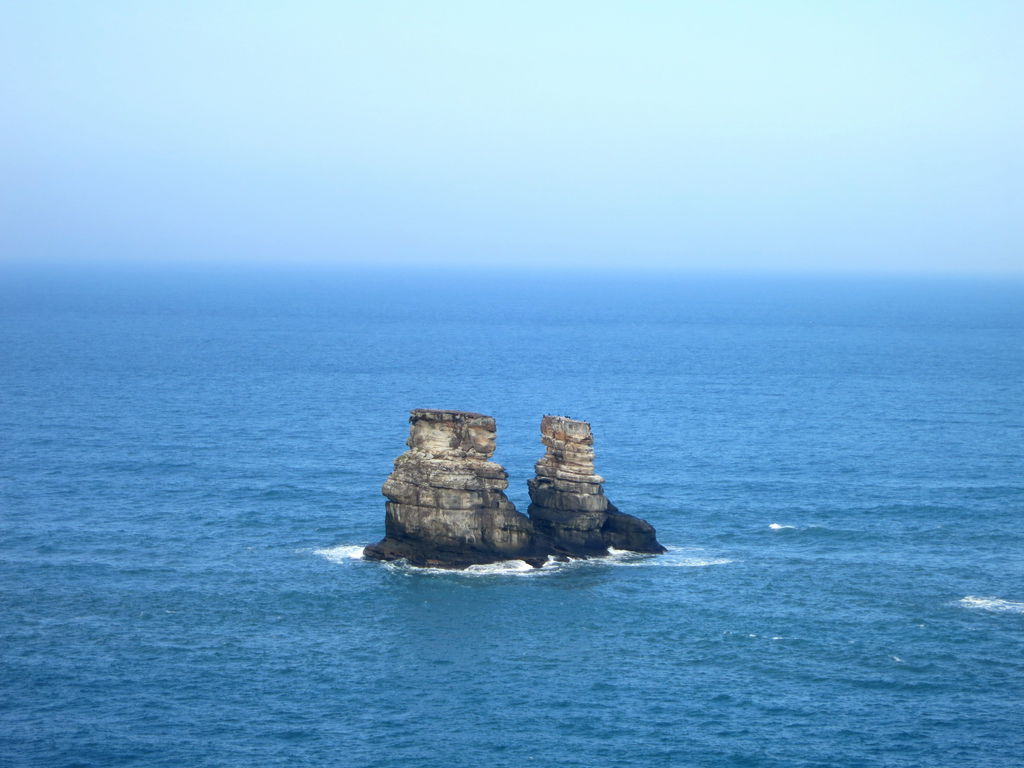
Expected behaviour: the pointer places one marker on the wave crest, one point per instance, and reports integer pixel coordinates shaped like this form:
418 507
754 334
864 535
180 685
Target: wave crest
341 554
679 557
994 604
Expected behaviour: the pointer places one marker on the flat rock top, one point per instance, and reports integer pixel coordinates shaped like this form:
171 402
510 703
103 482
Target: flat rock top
441 414
564 428
442 433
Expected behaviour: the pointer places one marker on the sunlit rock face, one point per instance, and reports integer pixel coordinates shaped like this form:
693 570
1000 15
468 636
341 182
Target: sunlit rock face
568 502
446 504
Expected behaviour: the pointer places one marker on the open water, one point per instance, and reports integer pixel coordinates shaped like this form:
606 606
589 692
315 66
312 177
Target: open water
192 462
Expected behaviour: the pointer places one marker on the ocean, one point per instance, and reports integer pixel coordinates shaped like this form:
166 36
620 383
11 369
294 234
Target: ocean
192 462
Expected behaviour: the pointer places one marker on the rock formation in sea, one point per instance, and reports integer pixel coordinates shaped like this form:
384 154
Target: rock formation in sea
568 502
446 504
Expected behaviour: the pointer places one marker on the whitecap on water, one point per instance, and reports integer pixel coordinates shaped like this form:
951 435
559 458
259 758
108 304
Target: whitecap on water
680 557
995 604
685 557
345 553
502 568
779 526
341 554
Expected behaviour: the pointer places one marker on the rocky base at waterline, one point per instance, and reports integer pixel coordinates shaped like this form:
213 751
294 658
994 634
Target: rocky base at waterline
446 505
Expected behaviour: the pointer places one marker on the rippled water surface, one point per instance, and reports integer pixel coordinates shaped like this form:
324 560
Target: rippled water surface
192 463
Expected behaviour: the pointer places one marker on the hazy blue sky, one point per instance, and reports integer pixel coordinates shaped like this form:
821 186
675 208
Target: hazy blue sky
767 135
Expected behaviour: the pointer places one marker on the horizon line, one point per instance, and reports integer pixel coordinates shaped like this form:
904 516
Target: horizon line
256 267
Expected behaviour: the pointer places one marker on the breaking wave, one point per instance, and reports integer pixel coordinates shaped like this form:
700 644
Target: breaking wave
779 526
679 557
502 568
341 553
994 604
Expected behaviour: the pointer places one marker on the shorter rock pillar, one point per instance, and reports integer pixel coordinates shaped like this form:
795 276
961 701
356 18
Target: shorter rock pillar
568 505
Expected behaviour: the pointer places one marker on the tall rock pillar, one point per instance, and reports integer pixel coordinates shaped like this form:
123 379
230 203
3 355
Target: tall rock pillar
446 506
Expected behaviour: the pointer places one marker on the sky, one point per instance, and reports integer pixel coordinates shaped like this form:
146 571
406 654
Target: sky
734 136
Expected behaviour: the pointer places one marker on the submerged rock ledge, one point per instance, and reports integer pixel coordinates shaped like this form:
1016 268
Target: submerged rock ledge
446 505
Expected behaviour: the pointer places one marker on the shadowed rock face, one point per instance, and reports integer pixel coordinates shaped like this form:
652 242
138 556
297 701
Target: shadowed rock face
568 502
446 503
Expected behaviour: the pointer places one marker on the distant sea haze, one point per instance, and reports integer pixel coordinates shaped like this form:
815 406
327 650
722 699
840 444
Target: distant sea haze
190 465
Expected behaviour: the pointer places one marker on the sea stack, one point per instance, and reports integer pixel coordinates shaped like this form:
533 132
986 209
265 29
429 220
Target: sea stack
446 504
568 502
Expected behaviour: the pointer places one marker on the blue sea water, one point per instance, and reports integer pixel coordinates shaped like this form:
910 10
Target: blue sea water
191 463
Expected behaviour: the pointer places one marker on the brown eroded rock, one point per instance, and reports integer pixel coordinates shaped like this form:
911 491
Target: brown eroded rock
446 502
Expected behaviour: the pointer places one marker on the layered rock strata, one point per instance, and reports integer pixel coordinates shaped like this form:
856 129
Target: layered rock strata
569 507
446 505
